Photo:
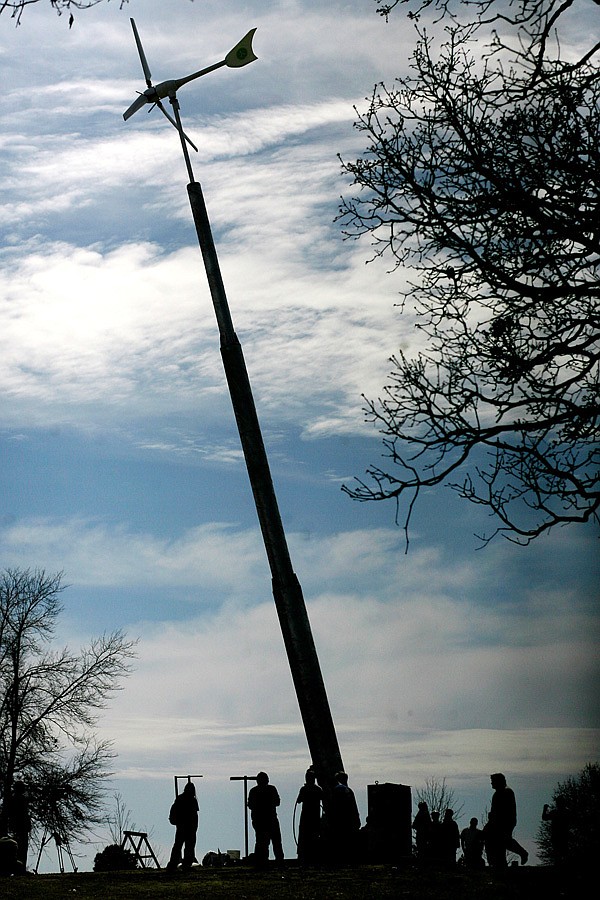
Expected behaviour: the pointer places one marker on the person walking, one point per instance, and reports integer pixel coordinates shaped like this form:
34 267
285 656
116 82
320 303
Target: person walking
502 819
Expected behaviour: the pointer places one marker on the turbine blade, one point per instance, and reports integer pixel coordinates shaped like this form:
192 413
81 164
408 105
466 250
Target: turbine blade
242 53
174 124
143 60
137 104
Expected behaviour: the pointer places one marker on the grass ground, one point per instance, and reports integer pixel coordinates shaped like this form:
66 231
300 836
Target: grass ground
293 883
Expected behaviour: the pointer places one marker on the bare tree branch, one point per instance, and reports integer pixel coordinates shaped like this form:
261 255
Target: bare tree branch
16 8
481 178
439 797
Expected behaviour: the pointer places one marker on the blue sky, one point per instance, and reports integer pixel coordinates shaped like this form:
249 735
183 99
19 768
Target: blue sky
121 461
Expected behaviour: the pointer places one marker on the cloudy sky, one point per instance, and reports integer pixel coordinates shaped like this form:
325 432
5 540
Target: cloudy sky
121 464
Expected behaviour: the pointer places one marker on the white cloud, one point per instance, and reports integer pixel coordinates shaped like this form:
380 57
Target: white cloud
57 171
430 652
417 692
126 327
103 555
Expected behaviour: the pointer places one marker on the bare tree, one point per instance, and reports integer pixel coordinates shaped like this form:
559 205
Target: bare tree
439 797
119 821
480 181
49 705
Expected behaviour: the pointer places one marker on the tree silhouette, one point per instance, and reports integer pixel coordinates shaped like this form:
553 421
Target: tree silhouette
581 797
49 704
439 797
480 182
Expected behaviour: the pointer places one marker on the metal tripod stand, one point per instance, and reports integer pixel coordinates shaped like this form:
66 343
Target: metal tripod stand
62 847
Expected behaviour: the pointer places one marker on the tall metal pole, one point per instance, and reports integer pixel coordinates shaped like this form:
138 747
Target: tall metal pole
287 593
245 779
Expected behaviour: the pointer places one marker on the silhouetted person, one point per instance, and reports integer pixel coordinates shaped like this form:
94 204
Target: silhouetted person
471 841
263 801
184 815
559 829
421 827
434 844
501 822
9 864
309 829
344 821
450 839
20 821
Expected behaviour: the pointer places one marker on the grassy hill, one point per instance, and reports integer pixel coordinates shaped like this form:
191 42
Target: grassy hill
293 883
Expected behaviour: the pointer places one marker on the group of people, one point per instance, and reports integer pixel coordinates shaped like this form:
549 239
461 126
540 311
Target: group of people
438 841
342 827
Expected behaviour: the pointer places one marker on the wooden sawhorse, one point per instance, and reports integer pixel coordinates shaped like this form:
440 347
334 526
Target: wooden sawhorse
139 842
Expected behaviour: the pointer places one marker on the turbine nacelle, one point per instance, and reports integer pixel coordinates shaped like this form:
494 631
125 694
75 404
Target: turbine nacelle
238 56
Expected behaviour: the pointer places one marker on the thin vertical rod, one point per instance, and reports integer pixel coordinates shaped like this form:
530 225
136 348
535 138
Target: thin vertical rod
245 779
246 817
175 104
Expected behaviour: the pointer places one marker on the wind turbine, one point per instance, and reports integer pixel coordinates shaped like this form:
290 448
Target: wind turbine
238 56
287 592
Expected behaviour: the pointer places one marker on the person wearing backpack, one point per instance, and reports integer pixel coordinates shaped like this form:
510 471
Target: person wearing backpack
184 816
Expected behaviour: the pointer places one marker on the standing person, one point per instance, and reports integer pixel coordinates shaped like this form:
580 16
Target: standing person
184 815
20 821
559 829
9 864
344 821
502 819
450 839
435 840
471 841
309 829
263 801
421 827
